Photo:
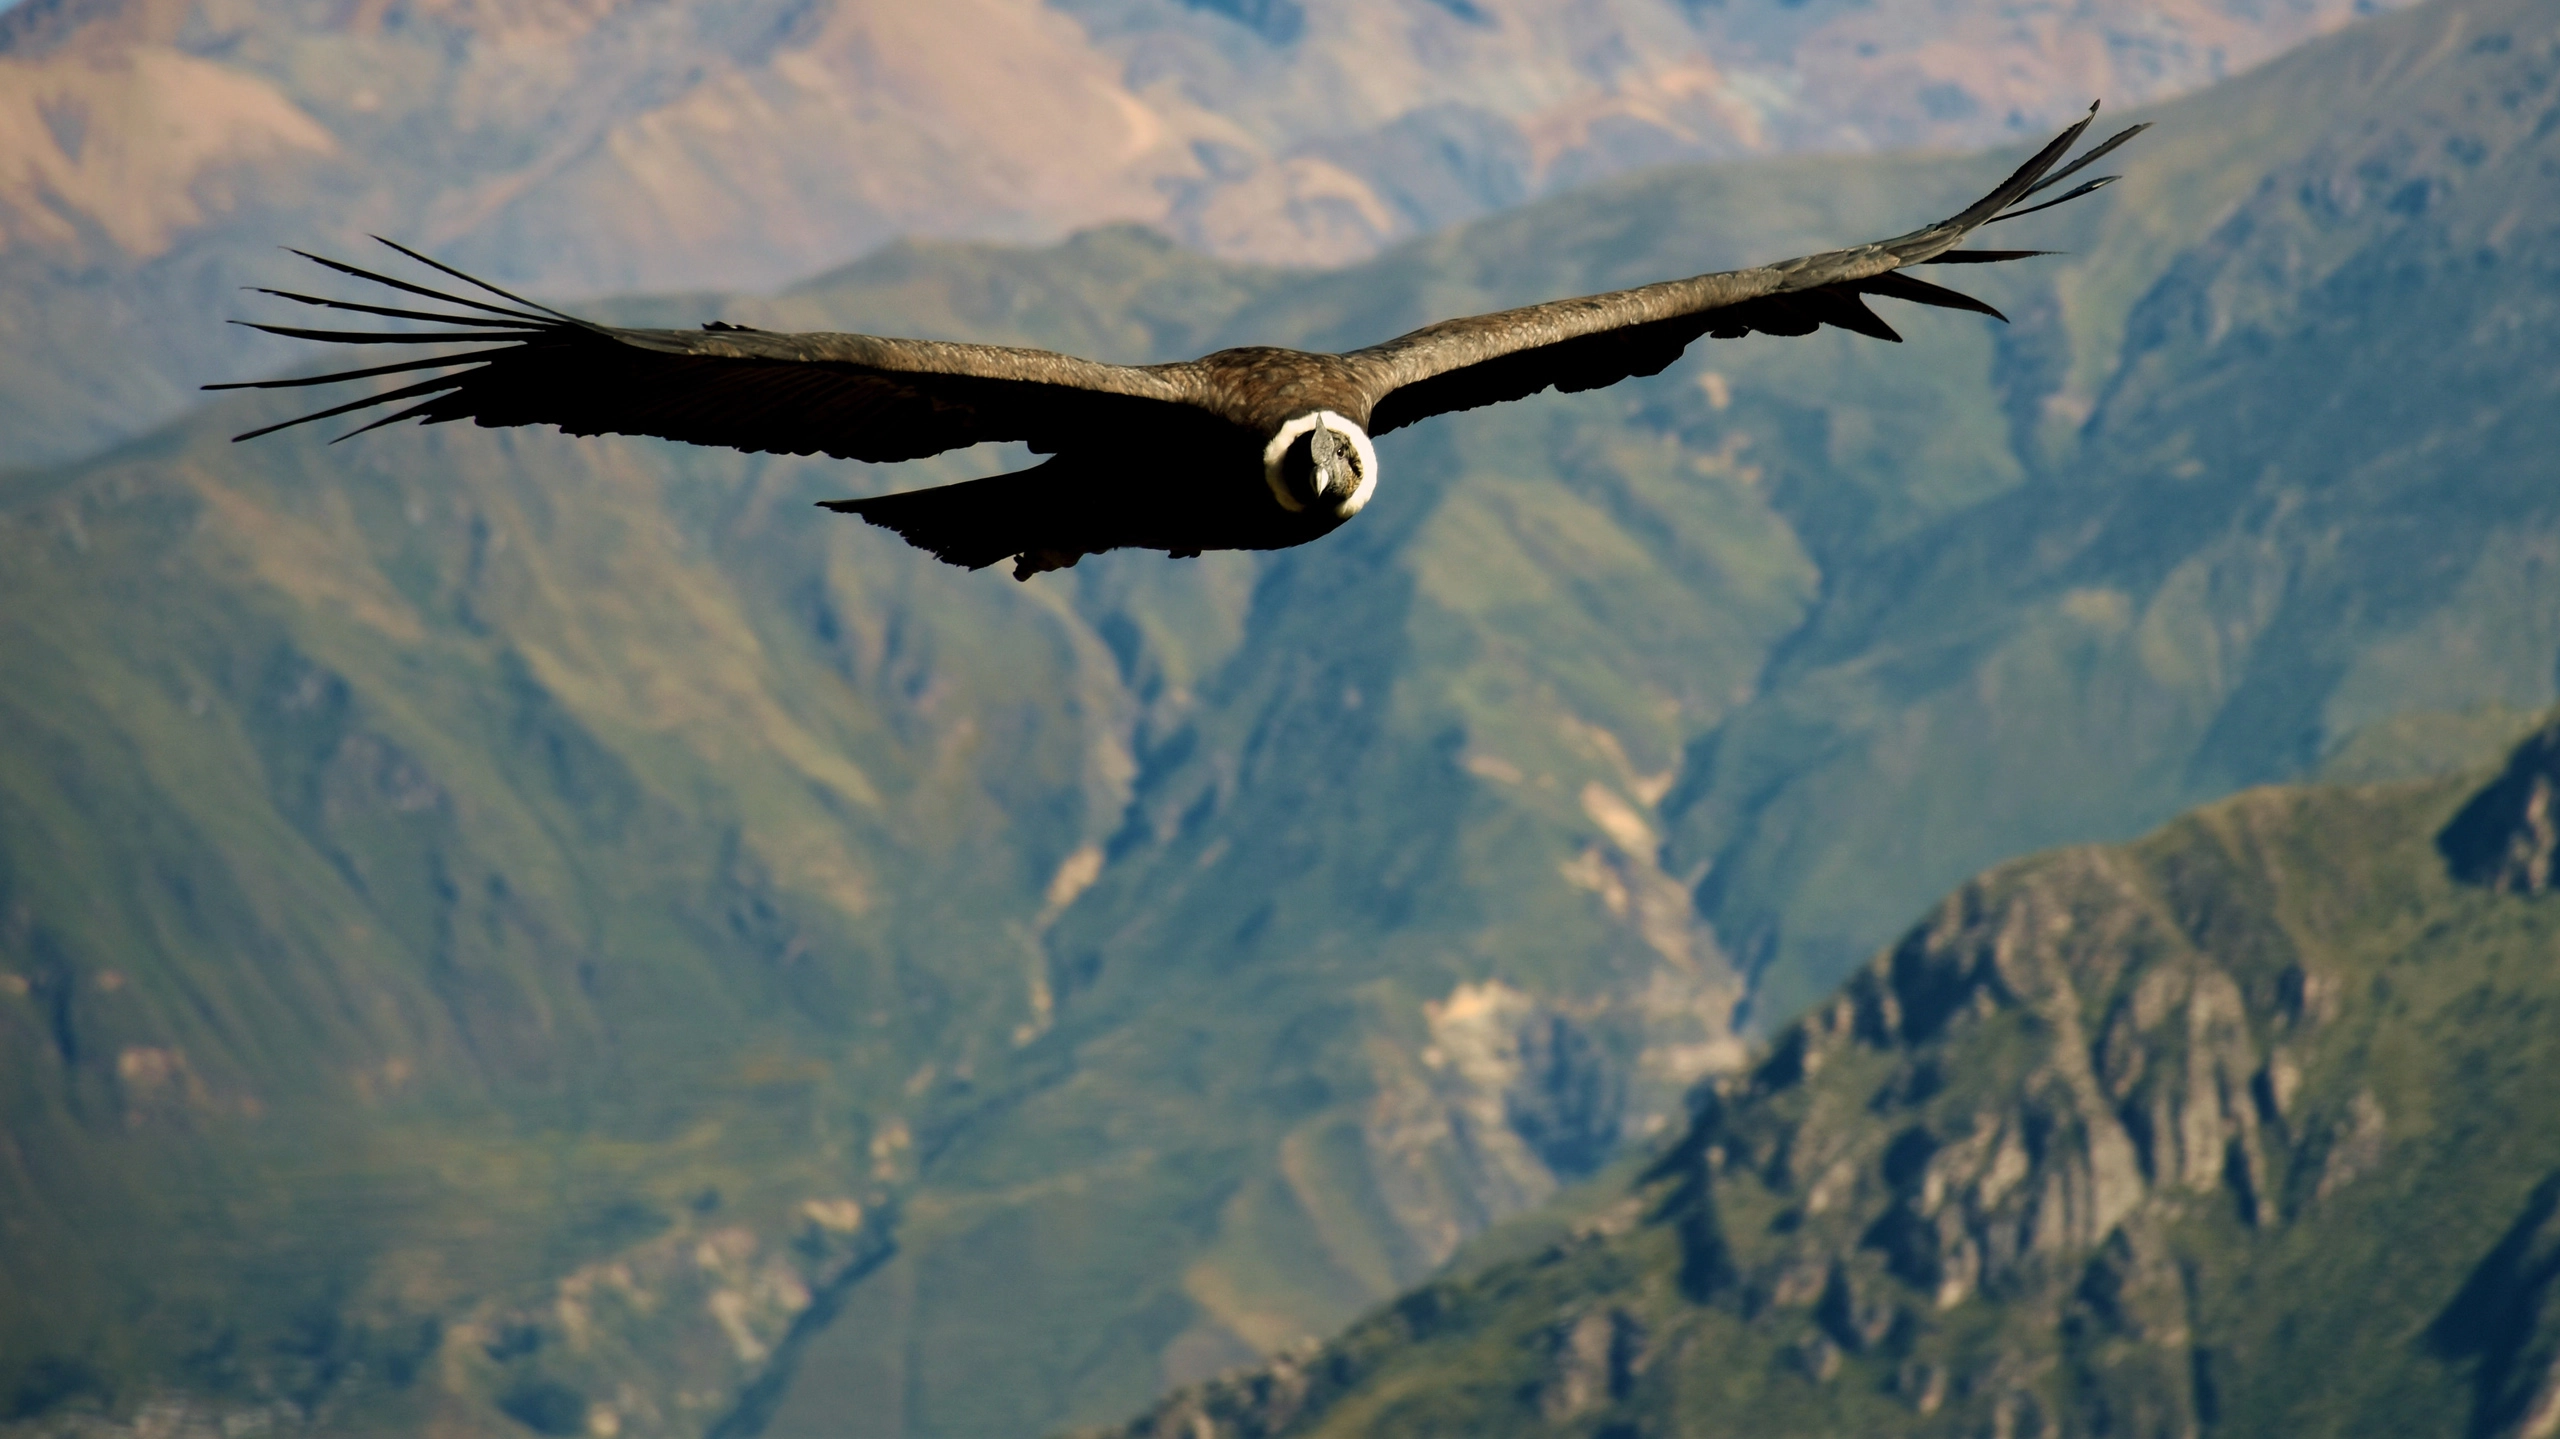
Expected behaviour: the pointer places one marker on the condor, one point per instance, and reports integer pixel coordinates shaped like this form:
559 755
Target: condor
1256 448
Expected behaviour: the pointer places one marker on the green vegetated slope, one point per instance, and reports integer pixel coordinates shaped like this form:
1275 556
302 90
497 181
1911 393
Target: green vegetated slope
457 882
431 867
2241 1128
498 924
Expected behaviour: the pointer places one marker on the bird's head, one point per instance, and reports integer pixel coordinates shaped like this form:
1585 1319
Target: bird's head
1321 463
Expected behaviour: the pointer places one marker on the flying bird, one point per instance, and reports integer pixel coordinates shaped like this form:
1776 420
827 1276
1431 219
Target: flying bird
1255 448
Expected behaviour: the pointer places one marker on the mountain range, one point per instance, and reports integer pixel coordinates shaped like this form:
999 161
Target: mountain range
503 930
154 153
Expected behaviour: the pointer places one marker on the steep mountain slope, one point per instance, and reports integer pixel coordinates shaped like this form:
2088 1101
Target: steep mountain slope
1824 795
540 865
2242 1128
154 152
2313 485
615 909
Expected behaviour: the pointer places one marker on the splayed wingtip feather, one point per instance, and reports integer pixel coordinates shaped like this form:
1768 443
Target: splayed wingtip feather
483 284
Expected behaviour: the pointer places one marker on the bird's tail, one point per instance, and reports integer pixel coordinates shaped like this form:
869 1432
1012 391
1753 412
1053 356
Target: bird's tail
1031 516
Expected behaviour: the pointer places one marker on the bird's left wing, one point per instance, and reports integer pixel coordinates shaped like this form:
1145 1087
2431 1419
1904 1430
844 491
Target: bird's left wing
1599 340
857 397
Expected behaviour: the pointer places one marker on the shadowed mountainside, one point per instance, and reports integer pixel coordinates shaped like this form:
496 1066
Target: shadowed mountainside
493 924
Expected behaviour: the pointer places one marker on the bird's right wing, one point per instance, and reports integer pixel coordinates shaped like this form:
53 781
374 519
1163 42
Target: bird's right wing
1599 340
857 397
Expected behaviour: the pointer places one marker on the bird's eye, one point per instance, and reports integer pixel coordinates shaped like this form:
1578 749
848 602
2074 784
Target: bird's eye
1345 453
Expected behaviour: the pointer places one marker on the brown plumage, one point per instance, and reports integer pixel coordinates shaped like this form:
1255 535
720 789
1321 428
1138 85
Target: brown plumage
1255 448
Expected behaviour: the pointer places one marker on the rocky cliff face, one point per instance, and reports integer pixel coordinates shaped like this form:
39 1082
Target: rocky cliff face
691 1330
2234 1130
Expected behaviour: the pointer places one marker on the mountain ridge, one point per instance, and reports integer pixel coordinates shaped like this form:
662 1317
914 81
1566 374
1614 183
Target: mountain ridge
2162 1137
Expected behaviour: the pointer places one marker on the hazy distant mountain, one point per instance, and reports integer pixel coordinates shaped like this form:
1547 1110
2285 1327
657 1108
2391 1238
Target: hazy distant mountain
2238 1129
153 152
493 925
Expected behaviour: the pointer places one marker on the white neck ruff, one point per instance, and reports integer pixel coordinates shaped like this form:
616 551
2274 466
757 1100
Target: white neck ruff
1279 446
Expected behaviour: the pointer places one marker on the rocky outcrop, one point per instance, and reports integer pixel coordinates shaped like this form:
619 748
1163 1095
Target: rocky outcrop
2142 1085
1594 1358
694 1331
691 1331
1254 1405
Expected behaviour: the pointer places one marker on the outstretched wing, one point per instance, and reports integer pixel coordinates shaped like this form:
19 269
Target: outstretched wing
1601 339
857 397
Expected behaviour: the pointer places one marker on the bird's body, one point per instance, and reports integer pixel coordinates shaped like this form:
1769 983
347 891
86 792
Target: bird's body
1250 448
